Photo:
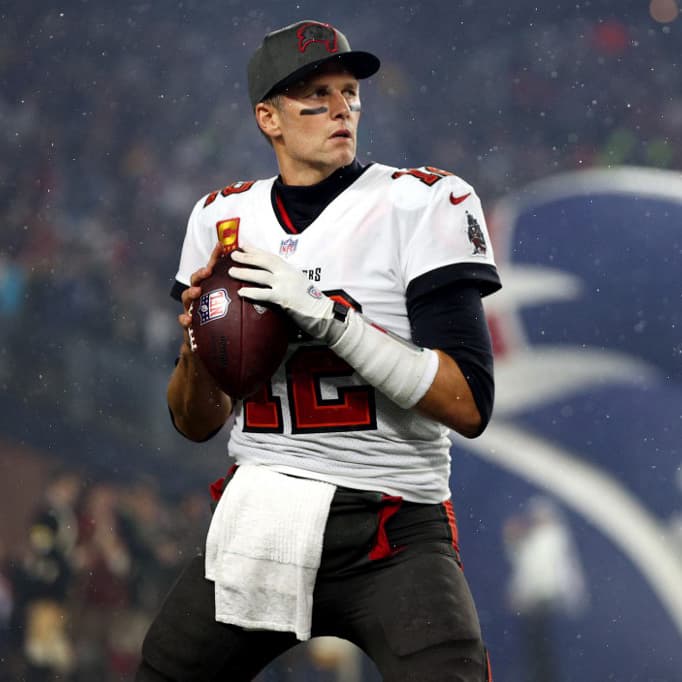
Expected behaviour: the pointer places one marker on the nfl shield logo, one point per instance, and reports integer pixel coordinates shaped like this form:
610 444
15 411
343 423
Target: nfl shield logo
213 305
287 247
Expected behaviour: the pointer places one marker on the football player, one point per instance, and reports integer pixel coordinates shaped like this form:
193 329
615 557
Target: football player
336 518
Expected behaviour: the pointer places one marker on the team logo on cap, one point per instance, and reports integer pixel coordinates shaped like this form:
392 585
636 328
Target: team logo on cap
317 33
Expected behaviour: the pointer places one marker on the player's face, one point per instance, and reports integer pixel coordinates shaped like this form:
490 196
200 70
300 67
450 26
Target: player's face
316 127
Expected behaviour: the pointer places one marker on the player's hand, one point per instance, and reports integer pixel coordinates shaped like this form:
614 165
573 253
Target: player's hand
285 286
398 369
193 292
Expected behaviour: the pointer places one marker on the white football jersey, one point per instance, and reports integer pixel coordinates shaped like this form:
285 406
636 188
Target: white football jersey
317 418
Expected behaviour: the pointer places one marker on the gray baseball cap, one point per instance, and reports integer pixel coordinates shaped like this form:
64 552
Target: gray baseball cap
289 54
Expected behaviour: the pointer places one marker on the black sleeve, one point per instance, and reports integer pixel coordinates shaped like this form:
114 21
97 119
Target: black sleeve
482 276
450 317
176 291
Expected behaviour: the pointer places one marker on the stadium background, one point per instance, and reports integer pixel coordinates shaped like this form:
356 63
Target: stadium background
115 119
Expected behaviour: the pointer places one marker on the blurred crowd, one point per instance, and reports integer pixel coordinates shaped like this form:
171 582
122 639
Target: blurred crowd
116 120
94 565
95 562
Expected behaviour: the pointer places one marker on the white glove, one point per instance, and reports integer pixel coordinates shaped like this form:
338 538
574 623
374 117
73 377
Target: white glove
397 368
290 289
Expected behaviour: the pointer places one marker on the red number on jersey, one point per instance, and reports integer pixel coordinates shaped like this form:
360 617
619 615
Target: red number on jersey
263 412
429 177
353 408
234 188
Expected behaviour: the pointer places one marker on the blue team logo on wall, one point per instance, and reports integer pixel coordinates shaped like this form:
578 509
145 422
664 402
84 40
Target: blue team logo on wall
576 486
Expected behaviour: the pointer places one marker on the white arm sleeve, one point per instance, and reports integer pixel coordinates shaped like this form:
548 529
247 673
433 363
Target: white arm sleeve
401 371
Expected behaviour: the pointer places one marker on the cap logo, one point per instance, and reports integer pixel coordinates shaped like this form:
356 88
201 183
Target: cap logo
317 33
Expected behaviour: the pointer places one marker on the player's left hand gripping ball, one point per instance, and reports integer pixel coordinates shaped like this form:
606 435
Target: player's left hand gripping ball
282 284
240 343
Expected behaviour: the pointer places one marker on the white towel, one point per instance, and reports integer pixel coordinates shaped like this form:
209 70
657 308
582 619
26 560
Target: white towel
263 549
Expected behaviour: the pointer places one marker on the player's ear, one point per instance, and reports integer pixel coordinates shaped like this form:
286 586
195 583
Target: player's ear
267 118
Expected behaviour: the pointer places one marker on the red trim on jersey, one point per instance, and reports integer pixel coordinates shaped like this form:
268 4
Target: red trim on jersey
452 522
211 198
382 547
218 486
489 668
284 215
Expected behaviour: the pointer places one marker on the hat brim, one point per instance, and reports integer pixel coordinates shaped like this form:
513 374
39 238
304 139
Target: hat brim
360 64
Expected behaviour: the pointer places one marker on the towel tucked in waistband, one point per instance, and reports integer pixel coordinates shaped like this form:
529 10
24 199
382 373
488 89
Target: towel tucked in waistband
263 549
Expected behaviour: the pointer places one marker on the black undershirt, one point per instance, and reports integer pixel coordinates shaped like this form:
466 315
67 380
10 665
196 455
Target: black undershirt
444 306
302 204
452 319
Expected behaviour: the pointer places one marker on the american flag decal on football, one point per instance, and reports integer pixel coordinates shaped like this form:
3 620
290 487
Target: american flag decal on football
213 305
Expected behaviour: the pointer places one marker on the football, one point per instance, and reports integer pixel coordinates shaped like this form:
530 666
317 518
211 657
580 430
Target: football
240 342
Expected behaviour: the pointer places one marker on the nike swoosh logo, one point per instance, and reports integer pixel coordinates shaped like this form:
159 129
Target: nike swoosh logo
458 200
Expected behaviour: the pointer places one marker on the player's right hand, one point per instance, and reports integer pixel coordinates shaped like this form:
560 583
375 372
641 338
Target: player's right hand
193 291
